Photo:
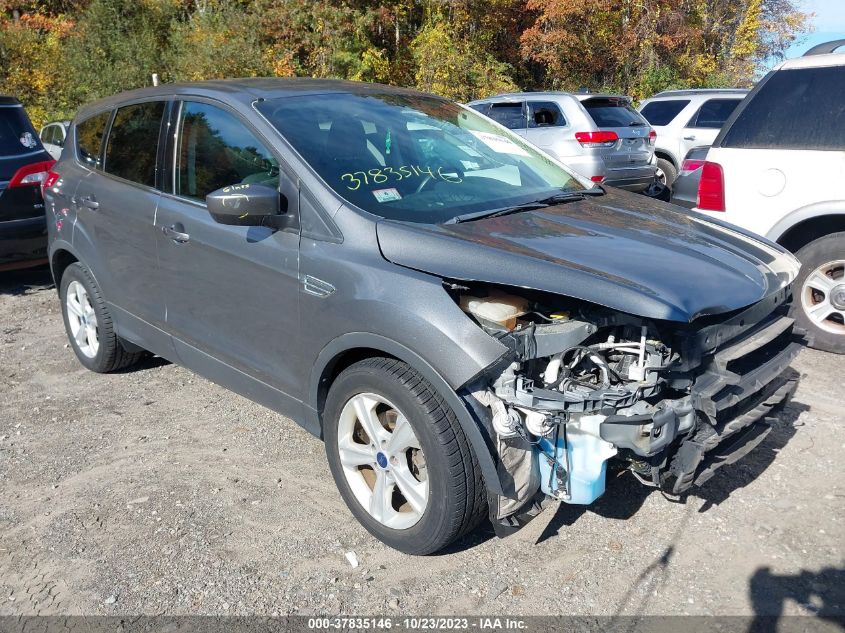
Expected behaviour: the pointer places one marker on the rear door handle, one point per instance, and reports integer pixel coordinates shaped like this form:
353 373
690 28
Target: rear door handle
175 233
689 138
86 201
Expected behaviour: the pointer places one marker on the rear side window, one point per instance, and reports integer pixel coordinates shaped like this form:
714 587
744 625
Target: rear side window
511 115
89 138
49 134
794 109
217 150
613 113
663 112
132 146
714 113
17 136
545 114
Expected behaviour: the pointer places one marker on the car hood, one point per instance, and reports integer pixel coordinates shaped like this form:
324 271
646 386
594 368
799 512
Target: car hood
620 250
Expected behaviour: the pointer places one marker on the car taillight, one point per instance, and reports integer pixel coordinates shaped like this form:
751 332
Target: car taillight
49 181
597 139
32 174
711 187
691 164
652 137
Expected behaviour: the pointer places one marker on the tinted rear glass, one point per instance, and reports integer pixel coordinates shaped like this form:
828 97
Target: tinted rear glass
608 113
17 135
663 112
714 113
508 114
544 114
794 109
89 138
132 146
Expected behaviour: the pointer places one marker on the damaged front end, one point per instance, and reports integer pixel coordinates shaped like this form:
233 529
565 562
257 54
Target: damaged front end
583 387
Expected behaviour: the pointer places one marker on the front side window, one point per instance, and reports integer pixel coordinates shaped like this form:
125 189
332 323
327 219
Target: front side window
663 112
545 114
414 158
89 138
713 113
794 109
132 146
216 150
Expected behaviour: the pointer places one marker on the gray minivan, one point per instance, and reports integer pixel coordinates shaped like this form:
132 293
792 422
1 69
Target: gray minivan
471 328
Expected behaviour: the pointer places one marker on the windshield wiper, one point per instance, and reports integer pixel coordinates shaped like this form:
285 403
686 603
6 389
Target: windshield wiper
558 198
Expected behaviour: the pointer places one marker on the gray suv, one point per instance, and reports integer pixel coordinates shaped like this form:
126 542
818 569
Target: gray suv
600 136
470 329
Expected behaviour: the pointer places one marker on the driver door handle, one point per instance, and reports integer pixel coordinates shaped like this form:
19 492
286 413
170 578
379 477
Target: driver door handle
175 233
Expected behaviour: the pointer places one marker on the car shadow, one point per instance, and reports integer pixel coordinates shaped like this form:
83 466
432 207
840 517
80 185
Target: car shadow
821 593
20 282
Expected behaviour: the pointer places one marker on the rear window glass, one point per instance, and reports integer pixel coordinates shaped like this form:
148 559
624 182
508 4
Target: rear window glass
714 113
663 112
132 146
508 114
89 138
17 135
607 113
544 114
794 109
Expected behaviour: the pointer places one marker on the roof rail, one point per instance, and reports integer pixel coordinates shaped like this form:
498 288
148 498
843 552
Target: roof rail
826 48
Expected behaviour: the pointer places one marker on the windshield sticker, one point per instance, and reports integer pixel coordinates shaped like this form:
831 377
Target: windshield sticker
470 150
28 140
386 195
498 143
379 176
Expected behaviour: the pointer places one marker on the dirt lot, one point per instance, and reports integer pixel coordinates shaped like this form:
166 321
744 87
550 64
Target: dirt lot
156 492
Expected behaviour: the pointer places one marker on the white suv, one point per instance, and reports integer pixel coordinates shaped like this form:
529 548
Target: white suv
778 169
684 119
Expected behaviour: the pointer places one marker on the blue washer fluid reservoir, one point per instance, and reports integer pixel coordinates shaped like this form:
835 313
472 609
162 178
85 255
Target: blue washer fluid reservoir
582 455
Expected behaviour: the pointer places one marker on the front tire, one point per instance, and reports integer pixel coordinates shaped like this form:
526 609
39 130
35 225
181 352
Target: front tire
818 304
400 458
89 325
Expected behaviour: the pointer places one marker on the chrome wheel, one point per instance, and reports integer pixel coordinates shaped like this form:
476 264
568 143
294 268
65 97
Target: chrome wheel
660 175
82 319
823 296
382 461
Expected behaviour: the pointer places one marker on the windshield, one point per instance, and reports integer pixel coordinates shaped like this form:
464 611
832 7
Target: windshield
414 157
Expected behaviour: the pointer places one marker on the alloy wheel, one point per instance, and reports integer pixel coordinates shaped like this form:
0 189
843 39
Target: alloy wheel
823 296
383 461
82 319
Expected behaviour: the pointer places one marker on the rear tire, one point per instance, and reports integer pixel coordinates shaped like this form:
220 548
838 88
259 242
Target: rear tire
89 325
384 394
818 304
668 171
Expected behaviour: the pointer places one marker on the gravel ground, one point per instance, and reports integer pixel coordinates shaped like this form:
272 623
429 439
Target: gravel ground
156 492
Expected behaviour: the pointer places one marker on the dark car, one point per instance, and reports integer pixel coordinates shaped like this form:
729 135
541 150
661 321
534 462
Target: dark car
469 328
685 187
24 164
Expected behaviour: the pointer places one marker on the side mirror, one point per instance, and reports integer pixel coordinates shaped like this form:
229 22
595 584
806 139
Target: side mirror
247 205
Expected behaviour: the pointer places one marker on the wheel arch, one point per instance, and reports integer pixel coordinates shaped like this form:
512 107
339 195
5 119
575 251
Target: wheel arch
353 347
803 226
662 153
60 259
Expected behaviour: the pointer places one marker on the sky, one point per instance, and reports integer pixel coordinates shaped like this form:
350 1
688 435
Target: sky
829 24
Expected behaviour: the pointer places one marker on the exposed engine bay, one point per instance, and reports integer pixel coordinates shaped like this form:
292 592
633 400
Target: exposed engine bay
584 387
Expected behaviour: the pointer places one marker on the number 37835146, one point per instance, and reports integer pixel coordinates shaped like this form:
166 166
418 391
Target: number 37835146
381 175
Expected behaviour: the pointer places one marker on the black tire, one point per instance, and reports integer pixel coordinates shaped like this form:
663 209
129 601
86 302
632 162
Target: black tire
813 255
457 499
111 355
669 172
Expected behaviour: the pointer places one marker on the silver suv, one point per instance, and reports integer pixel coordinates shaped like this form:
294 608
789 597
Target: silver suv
684 119
600 136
